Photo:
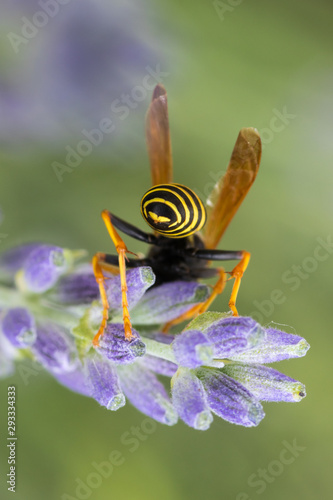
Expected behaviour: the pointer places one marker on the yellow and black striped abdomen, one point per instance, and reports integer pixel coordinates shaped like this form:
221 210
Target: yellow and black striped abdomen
173 210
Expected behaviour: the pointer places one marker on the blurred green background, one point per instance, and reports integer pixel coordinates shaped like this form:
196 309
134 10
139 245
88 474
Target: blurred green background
225 65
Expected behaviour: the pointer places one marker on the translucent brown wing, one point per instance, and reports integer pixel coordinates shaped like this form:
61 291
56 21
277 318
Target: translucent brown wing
231 189
158 137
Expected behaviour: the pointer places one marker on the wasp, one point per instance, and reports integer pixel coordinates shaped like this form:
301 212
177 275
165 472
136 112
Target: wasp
178 251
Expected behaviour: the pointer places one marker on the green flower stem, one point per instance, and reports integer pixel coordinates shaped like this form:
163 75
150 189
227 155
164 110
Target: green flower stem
159 350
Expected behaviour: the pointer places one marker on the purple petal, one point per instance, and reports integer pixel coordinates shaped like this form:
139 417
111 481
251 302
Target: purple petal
103 382
276 346
138 281
158 365
229 399
192 349
265 383
43 267
13 259
190 401
18 325
55 348
77 288
114 346
146 393
168 301
233 335
75 380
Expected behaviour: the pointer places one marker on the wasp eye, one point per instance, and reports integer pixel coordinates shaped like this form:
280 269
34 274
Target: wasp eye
173 210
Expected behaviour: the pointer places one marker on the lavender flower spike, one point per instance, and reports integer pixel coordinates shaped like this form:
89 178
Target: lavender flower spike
216 365
18 325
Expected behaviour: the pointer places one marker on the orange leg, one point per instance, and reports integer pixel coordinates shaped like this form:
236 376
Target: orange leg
98 266
237 274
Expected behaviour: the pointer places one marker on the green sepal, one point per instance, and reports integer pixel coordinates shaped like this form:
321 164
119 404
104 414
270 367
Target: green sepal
205 320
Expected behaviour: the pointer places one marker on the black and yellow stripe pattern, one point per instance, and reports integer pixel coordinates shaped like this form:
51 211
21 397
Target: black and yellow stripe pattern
173 210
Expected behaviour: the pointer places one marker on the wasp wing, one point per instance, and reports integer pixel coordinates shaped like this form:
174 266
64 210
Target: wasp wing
158 137
231 189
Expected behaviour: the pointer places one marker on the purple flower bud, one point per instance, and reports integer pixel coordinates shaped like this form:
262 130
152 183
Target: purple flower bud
192 349
138 281
55 349
146 393
190 401
229 399
103 382
76 288
75 380
13 259
114 346
43 267
265 383
276 346
18 325
168 301
234 335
